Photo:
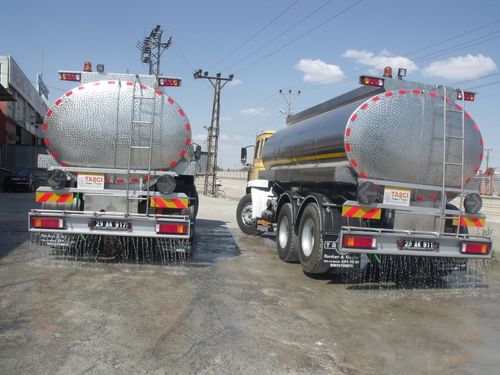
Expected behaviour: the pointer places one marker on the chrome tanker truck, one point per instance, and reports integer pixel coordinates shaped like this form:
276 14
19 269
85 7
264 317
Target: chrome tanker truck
366 180
121 181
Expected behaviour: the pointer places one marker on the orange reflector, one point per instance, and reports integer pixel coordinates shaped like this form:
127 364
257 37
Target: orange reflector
361 212
171 228
53 197
470 221
156 202
359 242
480 248
47 222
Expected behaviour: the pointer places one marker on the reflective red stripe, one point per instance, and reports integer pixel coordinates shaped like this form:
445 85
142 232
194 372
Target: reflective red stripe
181 112
348 132
58 101
354 117
64 198
354 163
363 175
187 141
370 213
402 92
170 100
364 106
54 154
188 127
45 197
69 93
352 211
49 113
172 164
376 98
44 127
348 147
47 142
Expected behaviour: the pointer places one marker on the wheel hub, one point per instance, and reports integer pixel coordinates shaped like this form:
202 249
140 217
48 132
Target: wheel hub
307 237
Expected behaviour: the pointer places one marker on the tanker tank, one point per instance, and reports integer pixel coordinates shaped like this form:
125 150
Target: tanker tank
90 126
391 133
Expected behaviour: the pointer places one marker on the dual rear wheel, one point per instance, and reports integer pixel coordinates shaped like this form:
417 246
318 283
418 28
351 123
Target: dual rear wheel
306 246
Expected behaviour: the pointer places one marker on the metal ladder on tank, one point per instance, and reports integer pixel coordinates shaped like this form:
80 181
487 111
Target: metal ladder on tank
446 164
136 124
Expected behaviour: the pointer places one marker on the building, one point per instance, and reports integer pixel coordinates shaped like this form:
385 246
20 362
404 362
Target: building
22 109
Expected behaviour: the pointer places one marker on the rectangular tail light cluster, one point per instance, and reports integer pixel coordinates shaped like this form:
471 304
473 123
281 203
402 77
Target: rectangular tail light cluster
359 242
47 222
478 248
172 228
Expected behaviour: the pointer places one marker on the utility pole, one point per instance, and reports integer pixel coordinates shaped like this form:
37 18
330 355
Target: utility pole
288 96
488 150
218 82
152 48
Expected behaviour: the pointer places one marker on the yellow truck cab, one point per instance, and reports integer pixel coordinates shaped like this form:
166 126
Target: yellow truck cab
244 211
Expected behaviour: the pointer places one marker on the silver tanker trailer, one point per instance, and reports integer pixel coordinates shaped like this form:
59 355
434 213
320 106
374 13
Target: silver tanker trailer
364 181
122 180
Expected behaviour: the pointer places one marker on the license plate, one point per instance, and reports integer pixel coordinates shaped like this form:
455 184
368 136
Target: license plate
109 225
423 245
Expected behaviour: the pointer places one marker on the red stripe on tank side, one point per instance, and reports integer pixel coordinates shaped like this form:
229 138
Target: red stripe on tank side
54 154
433 94
375 98
172 164
348 132
45 127
188 127
49 113
402 92
354 117
47 142
69 93
363 175
58 101
187 141
388 93
364 106
348 147
354 163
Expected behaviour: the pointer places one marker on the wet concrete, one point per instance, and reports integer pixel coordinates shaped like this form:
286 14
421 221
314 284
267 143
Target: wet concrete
235 309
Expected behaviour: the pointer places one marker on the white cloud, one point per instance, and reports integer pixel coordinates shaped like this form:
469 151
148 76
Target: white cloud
199 138
253 111
377 63
318 71
461 68
235 82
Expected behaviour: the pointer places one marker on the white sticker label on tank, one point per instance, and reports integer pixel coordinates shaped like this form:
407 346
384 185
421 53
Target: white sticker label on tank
90 181
397 196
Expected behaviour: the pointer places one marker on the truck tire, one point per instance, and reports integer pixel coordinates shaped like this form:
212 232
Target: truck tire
247 224
310 244
286 239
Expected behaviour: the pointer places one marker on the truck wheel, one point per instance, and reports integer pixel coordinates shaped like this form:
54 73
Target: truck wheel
310 244
246 223
286 239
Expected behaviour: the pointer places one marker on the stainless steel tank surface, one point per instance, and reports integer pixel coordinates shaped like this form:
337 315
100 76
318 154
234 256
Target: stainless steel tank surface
393 136
91 126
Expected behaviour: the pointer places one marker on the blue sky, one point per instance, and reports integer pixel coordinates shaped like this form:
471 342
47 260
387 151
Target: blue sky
317 46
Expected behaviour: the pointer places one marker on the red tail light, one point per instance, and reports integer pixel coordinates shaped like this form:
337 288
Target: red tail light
70 76
359 242
166 81
47 222
371 81
469 96
480 248
172 228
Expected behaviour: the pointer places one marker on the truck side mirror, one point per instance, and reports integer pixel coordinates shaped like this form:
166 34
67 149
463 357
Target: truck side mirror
244 155
197 152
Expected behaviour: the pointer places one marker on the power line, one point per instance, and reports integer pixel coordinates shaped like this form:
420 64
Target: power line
302 35
451 38
280 34
232 52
